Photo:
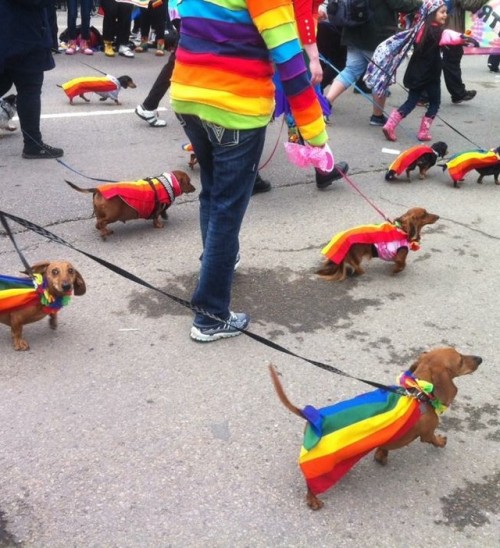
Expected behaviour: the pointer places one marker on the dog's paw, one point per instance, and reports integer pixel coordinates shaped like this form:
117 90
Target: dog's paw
313 502
21 344
381 456
440 441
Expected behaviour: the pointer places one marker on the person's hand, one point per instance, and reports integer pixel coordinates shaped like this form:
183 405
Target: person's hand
316 71
469 40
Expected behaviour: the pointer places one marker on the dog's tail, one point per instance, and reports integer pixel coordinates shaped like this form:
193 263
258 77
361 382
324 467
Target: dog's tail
86 190
332 271
281 393
59 85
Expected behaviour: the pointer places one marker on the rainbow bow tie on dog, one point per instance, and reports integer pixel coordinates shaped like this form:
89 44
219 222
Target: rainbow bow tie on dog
338 436
16 293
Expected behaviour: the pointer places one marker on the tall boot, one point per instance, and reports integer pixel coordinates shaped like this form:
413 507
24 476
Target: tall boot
423 132
108 49
392 123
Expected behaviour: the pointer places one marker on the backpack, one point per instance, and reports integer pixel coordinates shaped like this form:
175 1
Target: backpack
349 13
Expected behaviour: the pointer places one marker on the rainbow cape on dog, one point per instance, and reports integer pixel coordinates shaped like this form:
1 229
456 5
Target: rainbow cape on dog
383 233
145 195
338 436
105 86
407 157
16 293
460 164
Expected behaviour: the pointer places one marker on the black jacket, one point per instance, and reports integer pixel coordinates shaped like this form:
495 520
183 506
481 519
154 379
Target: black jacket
425 63
382 25
25 38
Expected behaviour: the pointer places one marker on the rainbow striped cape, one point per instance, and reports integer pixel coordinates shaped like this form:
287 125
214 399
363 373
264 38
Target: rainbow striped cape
407 157
340 244
460 164
16 293
106 86
338 436
146 194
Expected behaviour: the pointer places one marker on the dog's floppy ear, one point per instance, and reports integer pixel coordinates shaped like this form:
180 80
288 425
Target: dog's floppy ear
79 287
38 268
409 225
444 389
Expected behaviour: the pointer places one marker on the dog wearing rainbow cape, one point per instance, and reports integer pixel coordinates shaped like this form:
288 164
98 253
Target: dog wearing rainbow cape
389 241
26 300
338 436
107 87
485 162
421 156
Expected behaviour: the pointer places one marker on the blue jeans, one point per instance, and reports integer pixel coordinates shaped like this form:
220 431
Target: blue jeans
228 161
433 91
355 66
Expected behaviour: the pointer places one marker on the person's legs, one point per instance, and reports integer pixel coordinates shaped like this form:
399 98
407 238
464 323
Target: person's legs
228 161
161 85
452 56
356 63
85 11
123 27
29 91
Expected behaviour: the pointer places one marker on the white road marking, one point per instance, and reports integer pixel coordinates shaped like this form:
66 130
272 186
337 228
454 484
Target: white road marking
391 151
92 113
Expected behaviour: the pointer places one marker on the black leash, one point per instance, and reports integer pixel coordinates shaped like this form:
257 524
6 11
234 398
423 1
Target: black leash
132 277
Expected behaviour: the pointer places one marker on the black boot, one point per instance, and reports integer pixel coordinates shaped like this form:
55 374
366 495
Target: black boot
260 185
326 179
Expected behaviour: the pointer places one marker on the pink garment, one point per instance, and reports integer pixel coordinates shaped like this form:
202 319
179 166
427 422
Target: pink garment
307 156
387 250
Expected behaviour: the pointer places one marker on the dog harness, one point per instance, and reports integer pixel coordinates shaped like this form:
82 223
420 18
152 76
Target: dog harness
460 164
338 436
106 86
386 237
147 196
408 157
16 293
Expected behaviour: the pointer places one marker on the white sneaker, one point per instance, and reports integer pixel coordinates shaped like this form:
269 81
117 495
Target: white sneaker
149 116
125 51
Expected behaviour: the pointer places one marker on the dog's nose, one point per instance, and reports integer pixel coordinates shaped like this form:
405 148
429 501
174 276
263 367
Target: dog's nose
67 286
478 360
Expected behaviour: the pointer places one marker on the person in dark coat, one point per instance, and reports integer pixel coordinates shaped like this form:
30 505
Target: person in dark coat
25 53
361 42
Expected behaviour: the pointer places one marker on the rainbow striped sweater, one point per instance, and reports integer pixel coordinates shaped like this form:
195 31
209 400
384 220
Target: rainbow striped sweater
225 63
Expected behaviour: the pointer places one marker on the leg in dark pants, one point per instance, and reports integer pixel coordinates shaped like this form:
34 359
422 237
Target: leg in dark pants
452 56
161 85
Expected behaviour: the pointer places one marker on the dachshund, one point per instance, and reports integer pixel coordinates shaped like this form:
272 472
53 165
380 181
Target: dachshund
8 109
490 170
387 241
29 300
421 156
107 87
147 198
339 435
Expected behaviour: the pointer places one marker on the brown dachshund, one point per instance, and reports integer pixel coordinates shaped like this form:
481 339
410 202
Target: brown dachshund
347 442
59 279
388 241
147 198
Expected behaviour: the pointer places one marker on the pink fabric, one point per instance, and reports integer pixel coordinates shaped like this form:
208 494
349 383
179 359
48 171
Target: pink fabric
309 156
387 250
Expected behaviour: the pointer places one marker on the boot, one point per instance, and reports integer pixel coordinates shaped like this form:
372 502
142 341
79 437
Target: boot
84 48
72 47
143 46
160 47
390 126
423 133
108 49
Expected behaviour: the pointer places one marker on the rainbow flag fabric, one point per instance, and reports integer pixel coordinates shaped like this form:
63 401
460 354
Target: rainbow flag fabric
460 164
91 84
340 244
407 157
338 436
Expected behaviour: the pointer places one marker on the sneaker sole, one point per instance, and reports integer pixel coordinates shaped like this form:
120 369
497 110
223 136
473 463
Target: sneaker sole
198 336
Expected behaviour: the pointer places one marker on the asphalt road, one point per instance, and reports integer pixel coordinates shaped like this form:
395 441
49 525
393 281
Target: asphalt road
117 430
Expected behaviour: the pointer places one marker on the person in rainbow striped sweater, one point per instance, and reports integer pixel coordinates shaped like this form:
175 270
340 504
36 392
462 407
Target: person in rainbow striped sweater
223 95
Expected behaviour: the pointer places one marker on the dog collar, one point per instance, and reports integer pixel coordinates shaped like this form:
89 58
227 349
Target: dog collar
49 303
421 390
414 245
